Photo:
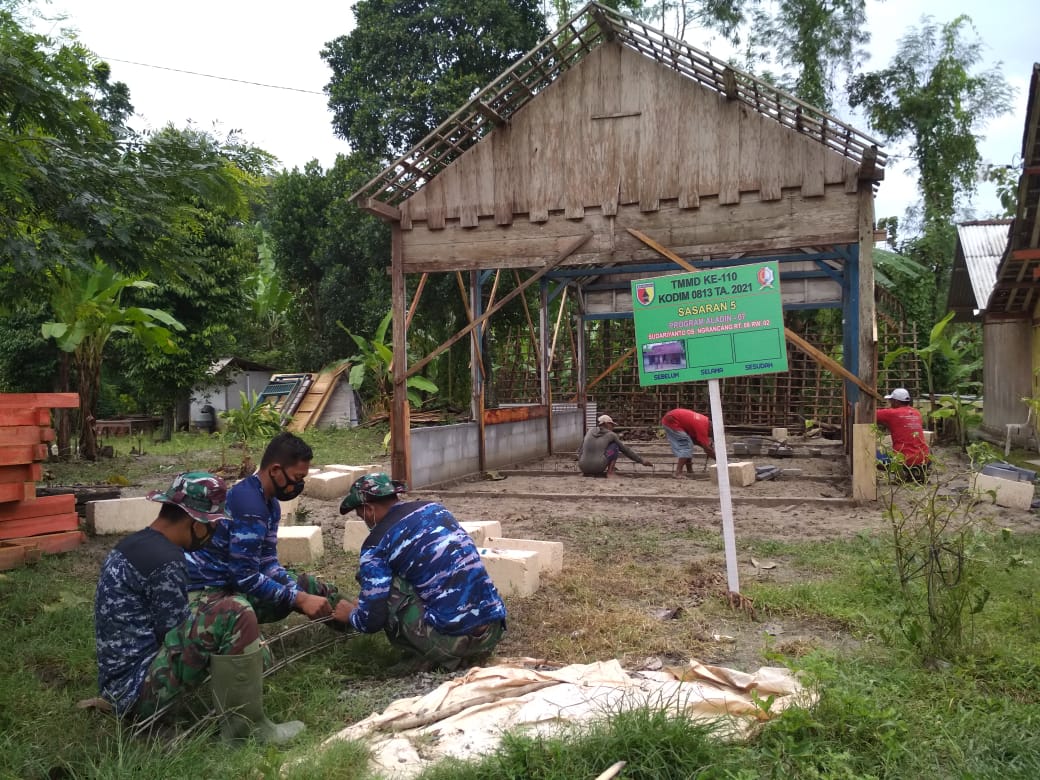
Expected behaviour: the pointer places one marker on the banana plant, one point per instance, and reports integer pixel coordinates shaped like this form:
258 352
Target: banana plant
374 360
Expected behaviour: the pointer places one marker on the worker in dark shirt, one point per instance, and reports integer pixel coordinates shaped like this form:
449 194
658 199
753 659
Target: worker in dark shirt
153 640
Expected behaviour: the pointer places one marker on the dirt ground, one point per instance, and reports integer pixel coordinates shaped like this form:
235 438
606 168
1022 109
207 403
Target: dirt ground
645 543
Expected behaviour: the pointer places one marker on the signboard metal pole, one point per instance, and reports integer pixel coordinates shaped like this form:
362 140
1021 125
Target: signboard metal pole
725 496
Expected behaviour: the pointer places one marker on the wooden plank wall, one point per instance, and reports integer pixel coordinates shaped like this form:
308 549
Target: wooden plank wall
622 135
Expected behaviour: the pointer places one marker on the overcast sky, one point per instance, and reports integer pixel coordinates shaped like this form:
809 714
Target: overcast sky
279 44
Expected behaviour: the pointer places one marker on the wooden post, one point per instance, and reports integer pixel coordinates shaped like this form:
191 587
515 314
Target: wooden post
400 435
581 358
544 358
864 462
477 367
866 409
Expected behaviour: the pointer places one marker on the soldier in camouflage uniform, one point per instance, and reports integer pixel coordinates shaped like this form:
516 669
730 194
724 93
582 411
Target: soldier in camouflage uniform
243 556
153 640
422 580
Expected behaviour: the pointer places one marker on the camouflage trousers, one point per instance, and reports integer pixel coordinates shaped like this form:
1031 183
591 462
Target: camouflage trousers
308 583
406 628
219 624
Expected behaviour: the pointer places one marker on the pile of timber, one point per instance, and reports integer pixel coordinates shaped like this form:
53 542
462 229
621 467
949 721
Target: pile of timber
31 526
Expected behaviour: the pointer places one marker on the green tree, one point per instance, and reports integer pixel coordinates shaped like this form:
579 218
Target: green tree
332 256
86 304
934 95
408 64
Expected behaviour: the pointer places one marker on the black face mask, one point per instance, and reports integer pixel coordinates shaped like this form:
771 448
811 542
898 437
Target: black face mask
198 542
287 491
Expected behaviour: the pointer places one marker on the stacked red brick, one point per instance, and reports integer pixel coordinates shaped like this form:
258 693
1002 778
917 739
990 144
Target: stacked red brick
31 526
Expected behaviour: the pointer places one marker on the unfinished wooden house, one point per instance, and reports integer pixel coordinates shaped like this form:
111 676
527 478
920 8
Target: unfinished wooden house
611 152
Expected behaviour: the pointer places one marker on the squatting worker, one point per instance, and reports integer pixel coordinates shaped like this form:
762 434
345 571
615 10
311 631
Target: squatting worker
154 640
683 428
903 422
422 580
600 448
243 556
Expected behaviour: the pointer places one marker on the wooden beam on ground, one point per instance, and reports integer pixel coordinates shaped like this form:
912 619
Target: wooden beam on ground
819 356
1026 254
621 498
571 247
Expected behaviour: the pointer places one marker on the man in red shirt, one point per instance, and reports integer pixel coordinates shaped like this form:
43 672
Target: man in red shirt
683 428
903 422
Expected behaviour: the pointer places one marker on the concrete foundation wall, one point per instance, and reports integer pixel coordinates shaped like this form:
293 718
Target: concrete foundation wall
448 452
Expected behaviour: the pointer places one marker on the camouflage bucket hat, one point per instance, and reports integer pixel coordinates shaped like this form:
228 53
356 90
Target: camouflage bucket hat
198 493
375 485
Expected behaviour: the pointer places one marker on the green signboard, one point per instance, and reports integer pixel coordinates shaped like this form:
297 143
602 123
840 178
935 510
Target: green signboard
710 324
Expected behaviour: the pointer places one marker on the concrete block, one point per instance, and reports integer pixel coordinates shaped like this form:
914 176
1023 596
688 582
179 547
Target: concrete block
357 471
328 485
300 544
354 534
780 434
480 530
289 510
550 554
121 515
741 473
312 471
514 572
928 436
1009 493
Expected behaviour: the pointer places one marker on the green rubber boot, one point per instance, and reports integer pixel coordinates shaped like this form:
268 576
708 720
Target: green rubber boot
238 692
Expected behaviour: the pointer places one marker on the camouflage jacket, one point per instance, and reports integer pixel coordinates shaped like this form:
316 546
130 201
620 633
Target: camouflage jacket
141 595
243 553
422 543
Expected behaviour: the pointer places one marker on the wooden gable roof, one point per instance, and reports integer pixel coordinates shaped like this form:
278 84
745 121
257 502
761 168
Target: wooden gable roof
1018 277
582 42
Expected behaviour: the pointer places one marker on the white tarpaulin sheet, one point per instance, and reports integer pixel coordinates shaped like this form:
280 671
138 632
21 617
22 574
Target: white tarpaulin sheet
465 717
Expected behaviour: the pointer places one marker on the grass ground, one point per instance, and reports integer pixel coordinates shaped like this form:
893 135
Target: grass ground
827 609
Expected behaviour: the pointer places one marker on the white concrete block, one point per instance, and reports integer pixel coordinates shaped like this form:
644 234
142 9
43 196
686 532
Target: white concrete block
354 534
928 436
289 510
550 554
780 434
328 485
1009 493
741 473
514 572
300 544
357 471
121 515
480 530
313 470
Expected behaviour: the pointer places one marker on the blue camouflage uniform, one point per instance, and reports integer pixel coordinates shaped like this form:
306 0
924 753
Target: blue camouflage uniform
243 556
422 581
141 595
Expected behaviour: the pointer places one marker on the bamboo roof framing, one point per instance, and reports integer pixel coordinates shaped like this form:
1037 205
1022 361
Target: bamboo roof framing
591 27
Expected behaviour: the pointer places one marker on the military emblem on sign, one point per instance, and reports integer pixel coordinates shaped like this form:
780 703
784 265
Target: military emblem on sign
765 278
645 293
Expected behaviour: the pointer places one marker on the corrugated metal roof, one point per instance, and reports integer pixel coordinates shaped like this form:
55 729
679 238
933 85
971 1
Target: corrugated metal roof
983 243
